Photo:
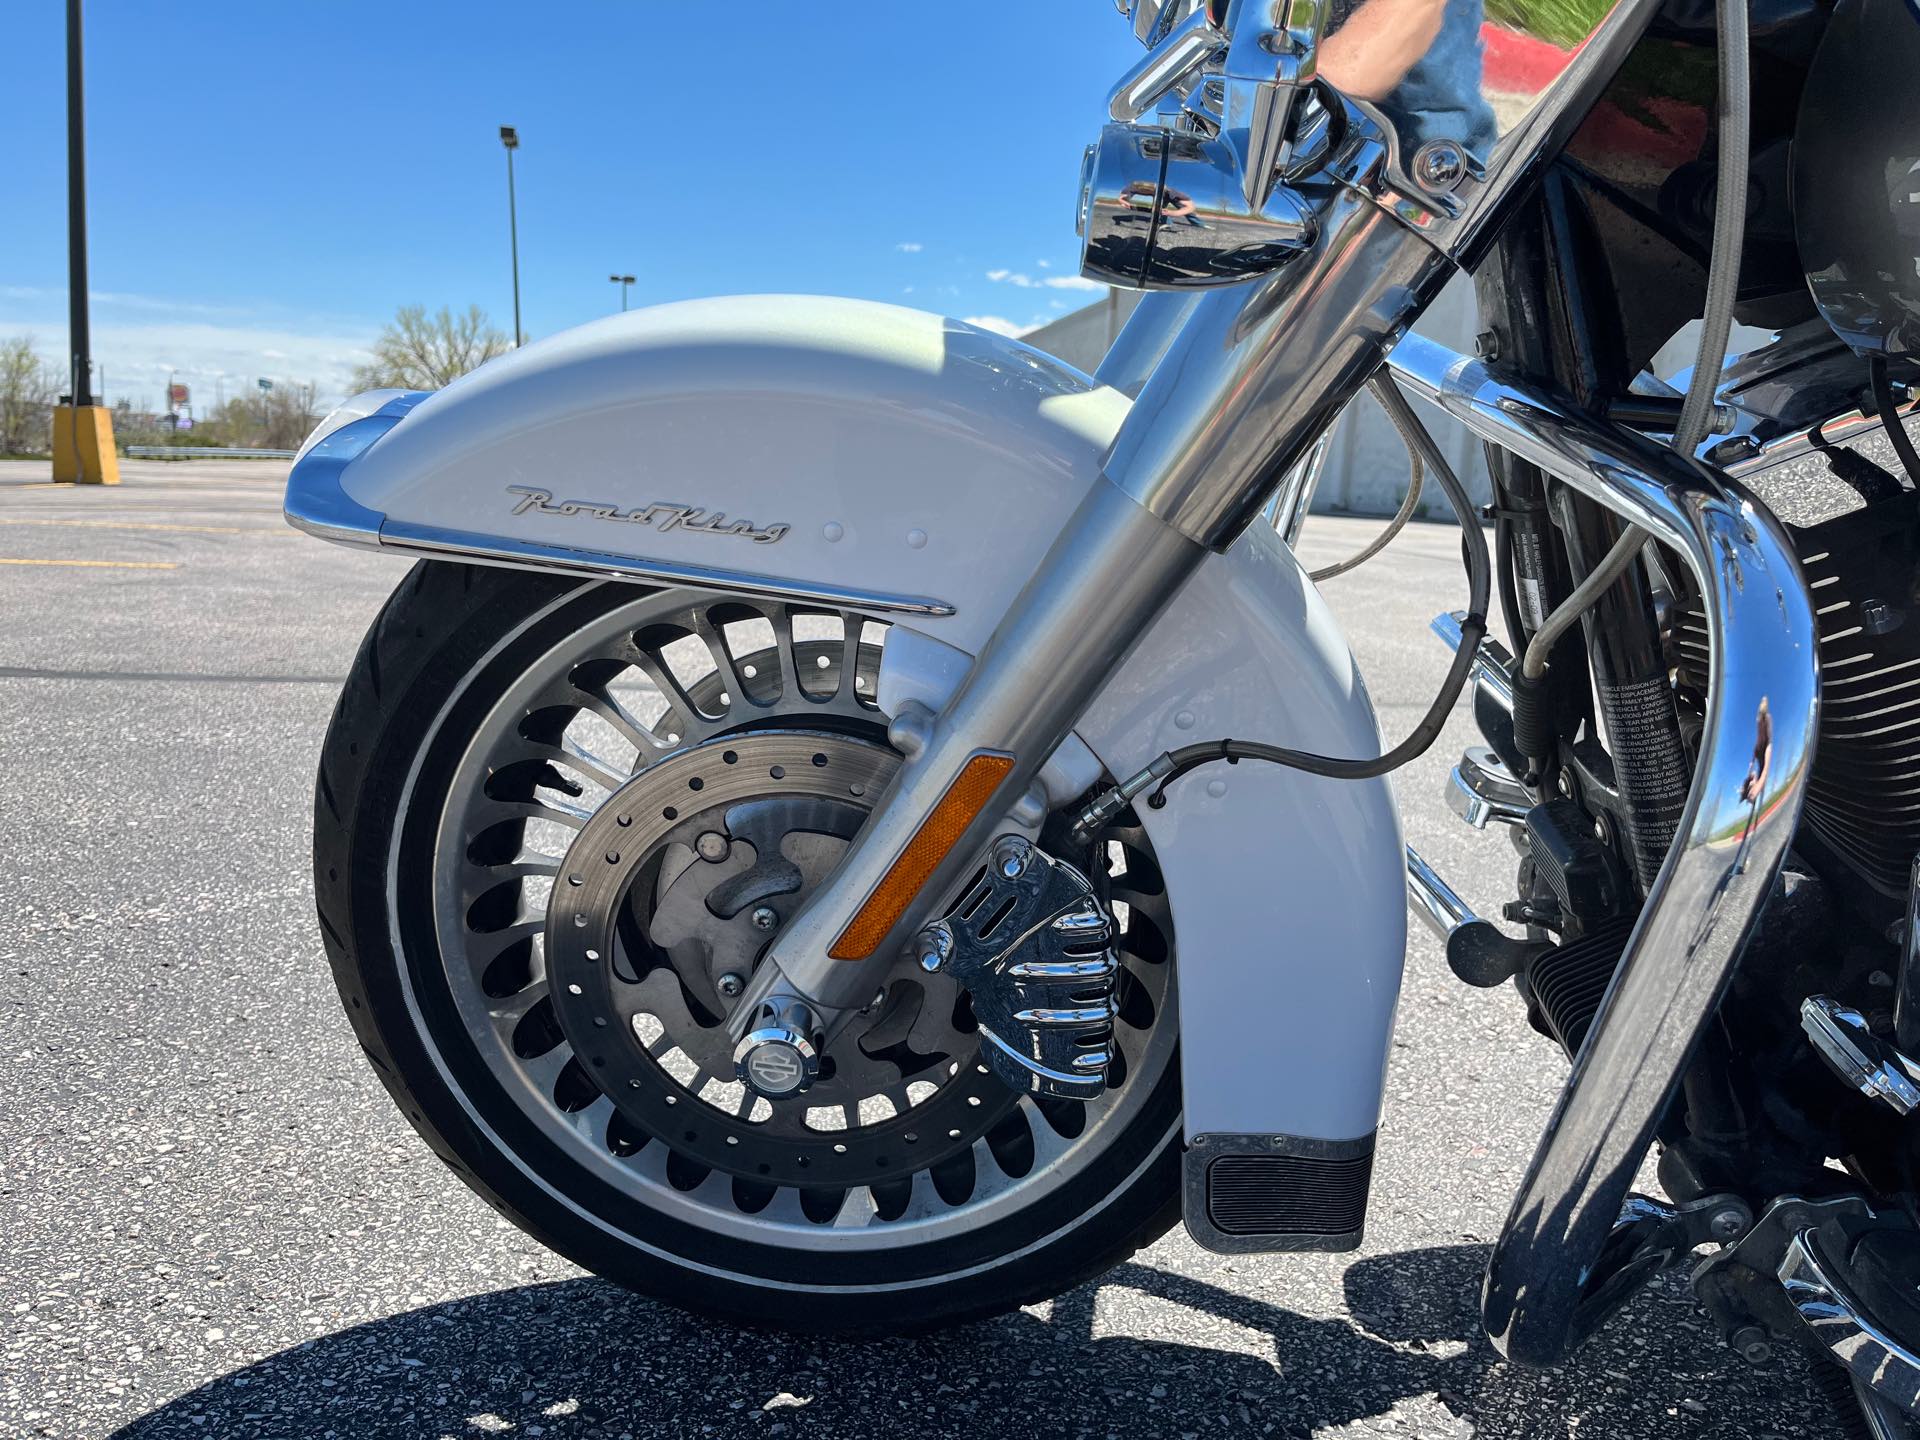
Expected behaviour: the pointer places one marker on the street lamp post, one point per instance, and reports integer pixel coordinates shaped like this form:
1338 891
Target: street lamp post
82 431
510 138
623 281
79 339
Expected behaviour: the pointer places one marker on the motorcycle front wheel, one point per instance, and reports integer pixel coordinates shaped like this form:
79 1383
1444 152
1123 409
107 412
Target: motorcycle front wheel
715 755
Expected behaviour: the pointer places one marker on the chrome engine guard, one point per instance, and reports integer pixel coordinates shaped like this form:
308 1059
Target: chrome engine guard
1745 801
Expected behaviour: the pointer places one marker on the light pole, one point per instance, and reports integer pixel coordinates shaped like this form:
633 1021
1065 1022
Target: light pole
623 281
510 138
79 339
82 431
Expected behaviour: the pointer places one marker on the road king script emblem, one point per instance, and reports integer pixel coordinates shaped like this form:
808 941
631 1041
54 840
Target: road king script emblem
661 515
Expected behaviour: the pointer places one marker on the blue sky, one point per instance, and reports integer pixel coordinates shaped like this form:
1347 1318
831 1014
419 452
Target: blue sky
269 181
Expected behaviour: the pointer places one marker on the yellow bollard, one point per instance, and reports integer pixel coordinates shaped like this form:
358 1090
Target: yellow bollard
83 450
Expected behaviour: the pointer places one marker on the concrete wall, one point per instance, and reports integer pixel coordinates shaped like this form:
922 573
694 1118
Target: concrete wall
1366 470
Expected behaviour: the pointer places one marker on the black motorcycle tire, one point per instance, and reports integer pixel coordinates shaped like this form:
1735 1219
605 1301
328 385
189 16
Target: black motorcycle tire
448 633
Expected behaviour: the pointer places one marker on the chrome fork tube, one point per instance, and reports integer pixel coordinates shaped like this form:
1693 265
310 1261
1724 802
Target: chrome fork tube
1097 591
1288 508
1144 340
1247 386
1259 373
1755 752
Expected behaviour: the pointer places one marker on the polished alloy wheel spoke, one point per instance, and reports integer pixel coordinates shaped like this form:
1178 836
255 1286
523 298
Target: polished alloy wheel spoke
676 679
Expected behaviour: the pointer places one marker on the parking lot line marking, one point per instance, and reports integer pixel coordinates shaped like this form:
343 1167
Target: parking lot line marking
100 564
168 677
274 530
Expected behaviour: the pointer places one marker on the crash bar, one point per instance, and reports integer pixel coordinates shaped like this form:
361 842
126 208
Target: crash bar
1755 752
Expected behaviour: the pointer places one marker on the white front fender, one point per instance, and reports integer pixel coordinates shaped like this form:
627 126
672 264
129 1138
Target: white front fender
888 460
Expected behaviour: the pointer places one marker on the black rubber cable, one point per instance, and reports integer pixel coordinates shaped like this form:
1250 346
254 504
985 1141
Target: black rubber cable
1896 427
1854 470
1473 629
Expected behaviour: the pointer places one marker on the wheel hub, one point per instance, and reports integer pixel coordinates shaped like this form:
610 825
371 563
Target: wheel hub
780 1056
668 899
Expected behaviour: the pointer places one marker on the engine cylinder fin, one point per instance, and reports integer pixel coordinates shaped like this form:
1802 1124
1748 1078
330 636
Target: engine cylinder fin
1863 798
1567 983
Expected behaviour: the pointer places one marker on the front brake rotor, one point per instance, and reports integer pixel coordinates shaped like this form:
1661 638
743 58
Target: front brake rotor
677 885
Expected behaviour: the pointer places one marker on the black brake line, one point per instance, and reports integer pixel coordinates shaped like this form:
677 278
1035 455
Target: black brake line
1890 417
1170 766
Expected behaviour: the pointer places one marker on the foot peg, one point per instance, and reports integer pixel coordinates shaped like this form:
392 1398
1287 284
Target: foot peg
1479 952
1033 946
1859 1057
1856 1298
1482 791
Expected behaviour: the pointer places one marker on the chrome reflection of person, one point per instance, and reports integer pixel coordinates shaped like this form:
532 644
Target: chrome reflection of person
1418 62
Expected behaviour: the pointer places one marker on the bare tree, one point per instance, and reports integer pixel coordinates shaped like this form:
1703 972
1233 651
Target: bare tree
276 419
28 388
417 351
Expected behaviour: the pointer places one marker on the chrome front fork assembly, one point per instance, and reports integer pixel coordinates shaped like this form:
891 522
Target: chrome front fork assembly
1314 245
1250 381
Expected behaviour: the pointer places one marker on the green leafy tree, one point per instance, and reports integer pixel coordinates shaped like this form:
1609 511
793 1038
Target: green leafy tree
418 351
28 388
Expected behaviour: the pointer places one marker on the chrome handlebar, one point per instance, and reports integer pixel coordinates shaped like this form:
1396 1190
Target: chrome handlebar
1166 67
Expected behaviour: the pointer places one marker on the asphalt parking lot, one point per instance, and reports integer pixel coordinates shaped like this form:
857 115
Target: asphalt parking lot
212 1222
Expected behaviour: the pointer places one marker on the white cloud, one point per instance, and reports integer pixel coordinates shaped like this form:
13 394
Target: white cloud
141 340
910 247
139 359
1044 264
999 324
114 299
1046 282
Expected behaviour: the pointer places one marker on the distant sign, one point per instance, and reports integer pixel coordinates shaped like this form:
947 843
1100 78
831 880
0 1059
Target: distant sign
264 384
176 396
185 422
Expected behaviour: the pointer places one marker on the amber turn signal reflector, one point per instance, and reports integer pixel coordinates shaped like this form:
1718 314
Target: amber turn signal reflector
965 798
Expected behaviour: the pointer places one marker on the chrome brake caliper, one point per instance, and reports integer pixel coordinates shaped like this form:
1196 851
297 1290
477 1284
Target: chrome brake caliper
1033 946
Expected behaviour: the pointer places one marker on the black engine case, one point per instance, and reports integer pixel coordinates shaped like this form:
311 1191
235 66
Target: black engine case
1856 177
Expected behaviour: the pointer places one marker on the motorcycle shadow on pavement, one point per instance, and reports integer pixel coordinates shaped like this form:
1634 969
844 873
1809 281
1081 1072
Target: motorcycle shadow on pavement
583 1358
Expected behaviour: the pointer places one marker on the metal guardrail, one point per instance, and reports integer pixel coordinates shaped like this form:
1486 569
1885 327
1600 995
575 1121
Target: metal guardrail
203 452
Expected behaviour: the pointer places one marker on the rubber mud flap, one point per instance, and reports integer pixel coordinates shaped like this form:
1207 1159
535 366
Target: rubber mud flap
1254 1193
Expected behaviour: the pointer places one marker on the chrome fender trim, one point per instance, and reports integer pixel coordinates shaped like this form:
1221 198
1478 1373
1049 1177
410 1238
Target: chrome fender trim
317 504
1755 753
